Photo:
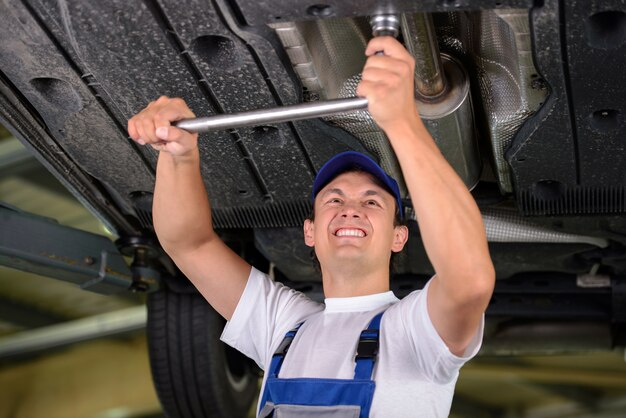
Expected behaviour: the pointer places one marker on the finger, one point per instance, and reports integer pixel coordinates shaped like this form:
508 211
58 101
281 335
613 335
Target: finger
175 110
166 132
132 130
140 134
371 73
146 127
383 76
365 88
393 64
152 124
174 134
161 126
387 44
162 100
136 129
399 68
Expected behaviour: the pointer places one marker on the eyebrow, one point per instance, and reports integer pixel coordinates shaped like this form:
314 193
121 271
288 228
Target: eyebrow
340 192
372 193
334 191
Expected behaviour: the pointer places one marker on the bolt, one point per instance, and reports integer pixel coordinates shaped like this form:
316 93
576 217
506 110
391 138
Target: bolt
538 84
89 260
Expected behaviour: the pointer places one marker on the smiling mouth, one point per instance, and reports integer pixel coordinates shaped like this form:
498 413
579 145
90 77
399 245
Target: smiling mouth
350 232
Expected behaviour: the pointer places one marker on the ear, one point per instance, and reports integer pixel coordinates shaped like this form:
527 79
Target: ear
400 236
309 228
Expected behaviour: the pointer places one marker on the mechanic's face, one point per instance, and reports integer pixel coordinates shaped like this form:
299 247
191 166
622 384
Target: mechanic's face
354 220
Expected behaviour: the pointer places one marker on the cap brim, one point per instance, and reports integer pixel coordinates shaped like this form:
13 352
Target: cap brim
348 160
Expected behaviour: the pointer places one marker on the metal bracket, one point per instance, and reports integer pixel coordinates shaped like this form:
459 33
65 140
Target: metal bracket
145 253
101 272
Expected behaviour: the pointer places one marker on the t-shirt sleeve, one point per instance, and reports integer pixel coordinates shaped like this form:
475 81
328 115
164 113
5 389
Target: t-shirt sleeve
431 353
265 312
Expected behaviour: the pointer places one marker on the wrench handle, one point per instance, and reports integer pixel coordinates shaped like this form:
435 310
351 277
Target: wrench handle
275 115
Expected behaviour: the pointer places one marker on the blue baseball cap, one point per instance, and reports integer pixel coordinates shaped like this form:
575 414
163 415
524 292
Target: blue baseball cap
347 160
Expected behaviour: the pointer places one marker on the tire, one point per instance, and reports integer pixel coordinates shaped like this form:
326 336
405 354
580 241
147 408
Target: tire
194 373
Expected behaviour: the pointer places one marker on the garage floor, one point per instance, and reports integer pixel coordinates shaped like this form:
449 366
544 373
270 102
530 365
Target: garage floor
110 377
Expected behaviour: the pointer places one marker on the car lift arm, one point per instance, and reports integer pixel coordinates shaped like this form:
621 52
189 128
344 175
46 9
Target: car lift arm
40 245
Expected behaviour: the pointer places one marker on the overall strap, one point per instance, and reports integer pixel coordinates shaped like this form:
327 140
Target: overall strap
367 350
277 361
279 355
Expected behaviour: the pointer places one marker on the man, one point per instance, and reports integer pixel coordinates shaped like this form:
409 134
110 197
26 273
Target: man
407 362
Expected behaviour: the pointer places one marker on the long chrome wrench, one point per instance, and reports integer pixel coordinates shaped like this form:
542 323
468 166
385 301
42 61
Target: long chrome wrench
273 115
382 25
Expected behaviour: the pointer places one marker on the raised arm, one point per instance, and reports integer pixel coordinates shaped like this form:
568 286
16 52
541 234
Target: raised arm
449 220
181 209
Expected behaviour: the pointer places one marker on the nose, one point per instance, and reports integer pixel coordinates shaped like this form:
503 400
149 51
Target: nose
351 211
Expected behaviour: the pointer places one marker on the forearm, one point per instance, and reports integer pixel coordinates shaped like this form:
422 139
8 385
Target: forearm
181 209
450 222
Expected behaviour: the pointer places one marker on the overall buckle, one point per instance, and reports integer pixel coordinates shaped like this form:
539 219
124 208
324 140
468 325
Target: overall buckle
368 344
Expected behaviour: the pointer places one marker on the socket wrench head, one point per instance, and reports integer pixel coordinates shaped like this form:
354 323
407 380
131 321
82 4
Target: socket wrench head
385 25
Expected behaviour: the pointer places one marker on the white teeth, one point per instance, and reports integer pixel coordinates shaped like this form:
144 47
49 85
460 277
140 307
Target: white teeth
350 233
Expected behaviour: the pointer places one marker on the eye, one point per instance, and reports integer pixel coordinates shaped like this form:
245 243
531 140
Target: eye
372 203
334 200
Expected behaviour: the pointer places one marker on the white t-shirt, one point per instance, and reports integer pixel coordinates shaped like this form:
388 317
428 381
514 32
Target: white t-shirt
415 372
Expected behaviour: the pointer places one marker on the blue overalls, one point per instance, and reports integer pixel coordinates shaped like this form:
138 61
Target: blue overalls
329 398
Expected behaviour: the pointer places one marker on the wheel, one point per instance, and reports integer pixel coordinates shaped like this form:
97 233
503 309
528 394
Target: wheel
194 373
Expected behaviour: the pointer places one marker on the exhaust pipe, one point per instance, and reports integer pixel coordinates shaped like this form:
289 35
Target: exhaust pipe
443 98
